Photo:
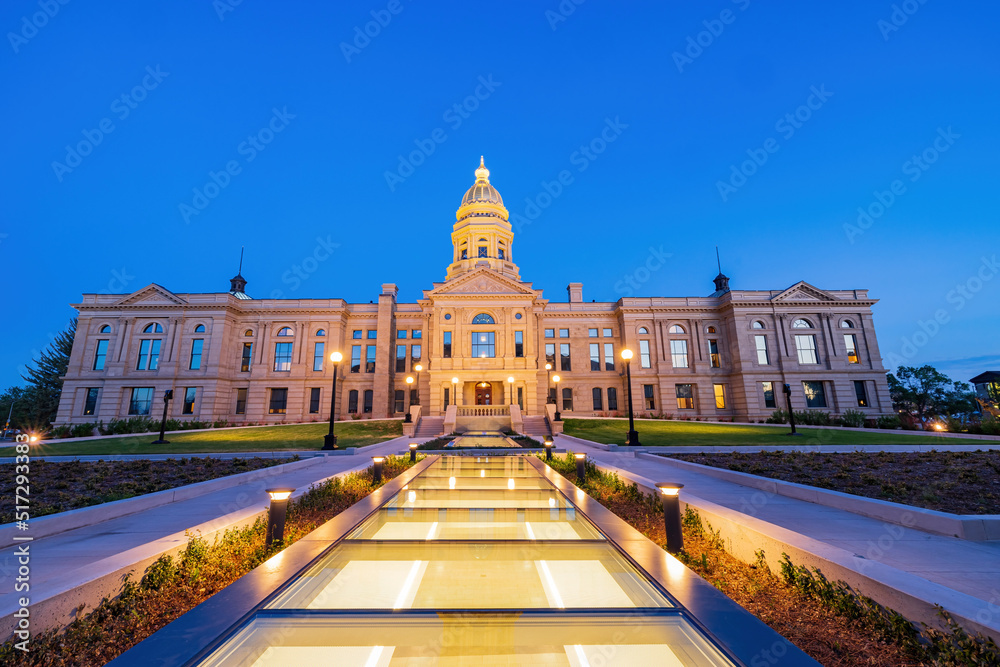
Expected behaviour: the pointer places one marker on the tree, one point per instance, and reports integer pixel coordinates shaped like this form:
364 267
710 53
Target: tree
13 397
924 392
45 379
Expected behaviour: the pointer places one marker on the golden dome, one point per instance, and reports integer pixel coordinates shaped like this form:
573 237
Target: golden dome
482 191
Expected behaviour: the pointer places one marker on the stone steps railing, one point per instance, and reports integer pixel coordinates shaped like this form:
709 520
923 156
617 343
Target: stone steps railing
483 410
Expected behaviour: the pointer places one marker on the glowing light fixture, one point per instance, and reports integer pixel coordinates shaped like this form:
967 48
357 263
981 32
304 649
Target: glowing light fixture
336 357
276 512
669 496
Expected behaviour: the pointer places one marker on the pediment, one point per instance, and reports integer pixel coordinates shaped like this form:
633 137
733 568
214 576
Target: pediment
482 282
152 295
803 291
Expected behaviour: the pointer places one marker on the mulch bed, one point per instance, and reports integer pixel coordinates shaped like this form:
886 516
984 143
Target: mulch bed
954 482
60 486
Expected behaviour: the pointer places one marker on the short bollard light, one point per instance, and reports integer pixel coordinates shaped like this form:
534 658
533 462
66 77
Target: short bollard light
377 469
581 467
276 512
413 452
670 497
548 448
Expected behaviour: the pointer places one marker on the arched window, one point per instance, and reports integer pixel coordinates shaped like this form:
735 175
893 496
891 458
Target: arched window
105 329
200 328
321 332
483 318
676 329
285 331
153 328
711 330
802 324
757 324
643 331
248 332
847 324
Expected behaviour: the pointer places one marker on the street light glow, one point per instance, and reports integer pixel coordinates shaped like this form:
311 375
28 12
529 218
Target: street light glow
336 357
626 354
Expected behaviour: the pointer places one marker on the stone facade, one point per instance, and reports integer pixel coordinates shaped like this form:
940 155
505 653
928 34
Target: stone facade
484 335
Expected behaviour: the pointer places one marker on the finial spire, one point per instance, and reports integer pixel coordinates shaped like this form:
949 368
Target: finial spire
240 271
482 162
482 174
717 260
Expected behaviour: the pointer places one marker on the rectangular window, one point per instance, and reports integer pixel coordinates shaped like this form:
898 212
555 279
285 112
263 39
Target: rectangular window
356 334
564 360
679 353
483 344
399 399
520 397
597 396
143 355
518 343
713 353
612 398
860 393
196 346
647 395
447 396
564 333
550 333
805 345
189 395
401 334
644 359
446 350
851 343
685 396
90 405
372 334
415 353
414 399
314 400
609 356
154 355
368 401
100 355
400 358
550 354
149 355
591 333
279 402
768 388
355 358
416 334
283 357
595 356
318 356
352 401
720 396
246 358
760 342
567 399
141 401
607 333
241 401
815 397
370 358
483 251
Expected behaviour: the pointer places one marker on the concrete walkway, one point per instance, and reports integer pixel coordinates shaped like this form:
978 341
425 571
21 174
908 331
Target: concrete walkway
961 574
84 564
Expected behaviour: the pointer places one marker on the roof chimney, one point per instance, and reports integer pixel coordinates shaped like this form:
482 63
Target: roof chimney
575 292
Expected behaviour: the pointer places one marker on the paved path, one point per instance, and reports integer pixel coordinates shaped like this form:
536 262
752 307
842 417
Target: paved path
972 568
69 560
816 449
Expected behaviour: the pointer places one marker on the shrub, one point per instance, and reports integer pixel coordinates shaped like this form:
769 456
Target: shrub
83 430
990 427
779 416
61 432
853 418
813 418
955 425
887 421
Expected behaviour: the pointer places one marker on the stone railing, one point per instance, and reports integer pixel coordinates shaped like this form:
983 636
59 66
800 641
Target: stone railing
483 410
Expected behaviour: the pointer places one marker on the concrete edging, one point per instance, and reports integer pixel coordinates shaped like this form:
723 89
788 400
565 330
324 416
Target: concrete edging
972 527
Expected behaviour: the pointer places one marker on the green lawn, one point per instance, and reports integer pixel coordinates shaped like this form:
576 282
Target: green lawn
671 433
257 439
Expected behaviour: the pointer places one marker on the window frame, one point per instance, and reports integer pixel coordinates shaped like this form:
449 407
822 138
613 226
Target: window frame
805 352
100 354
90 398
190 396
281 358
197 349
277 403
815 394
679 356
483 349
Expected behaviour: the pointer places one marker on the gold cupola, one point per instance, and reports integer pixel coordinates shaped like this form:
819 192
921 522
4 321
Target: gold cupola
482 236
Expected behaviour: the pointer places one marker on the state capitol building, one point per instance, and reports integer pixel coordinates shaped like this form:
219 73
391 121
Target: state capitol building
482 337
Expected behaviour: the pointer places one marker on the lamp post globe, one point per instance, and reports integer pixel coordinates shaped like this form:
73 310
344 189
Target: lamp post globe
510 381
633 437
330 439
454 389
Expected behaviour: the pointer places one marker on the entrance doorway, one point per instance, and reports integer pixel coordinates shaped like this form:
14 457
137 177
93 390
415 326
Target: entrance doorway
484 395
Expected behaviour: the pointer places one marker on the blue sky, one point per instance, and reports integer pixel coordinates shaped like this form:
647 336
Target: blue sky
830 103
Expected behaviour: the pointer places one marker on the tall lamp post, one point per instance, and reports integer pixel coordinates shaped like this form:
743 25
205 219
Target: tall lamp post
330 439
556 378
548 383
167 395
633 437
791 415
418 368
409 384
510 381
454 390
